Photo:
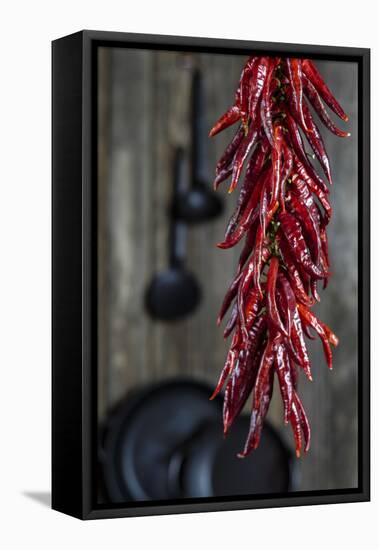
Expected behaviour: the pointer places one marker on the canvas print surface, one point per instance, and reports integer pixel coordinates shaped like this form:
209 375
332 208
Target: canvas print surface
162 279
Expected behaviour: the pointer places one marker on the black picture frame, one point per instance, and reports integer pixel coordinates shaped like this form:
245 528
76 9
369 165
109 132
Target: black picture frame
74 294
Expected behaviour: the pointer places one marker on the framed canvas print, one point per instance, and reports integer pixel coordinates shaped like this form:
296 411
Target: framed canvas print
210 274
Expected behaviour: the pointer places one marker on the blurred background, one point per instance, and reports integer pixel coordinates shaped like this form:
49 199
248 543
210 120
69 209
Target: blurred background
155 109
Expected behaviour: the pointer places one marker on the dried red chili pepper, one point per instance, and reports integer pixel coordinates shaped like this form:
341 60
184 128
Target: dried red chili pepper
323 331
297 144
242 152
309 226
253 172
297 337
245 90
247 248
314 188
248 311
272 309
230 325
293 233
317 143
232 115
266 106
284 377
294 276
247 219
288 294
225 162
229 297
286 248
314 76
318 106
295 76
258 79
242 379
286 172
303 421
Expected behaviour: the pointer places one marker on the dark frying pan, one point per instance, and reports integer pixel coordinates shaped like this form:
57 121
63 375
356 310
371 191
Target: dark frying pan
166 442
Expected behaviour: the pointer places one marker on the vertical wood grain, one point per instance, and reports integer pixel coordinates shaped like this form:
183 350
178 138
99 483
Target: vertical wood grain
143 116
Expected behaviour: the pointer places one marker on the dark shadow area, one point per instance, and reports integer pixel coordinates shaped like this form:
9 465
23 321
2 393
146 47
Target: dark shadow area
42 497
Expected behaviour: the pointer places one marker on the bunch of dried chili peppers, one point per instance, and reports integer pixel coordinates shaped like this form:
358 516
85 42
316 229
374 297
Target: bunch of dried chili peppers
282 211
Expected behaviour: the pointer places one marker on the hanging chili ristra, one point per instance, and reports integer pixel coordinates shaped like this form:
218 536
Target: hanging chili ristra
282 211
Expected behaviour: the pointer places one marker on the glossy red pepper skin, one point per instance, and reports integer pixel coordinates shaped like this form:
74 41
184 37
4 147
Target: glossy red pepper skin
242 379
264 198
285 174
228 365
237 230
304 423
272 309
281 303
302 191
295 239
222 175
266 106
229 297
324 245
312 185
257 417
248 311
265 367
287 321
231 324
315 140
298 340
262 393
250 272
227 157
310 227
318 106
294 373
253 173
318 82
249 217
259 257
259 75
296 428
232 115
297 144
311 320
284 377
247 248
252 308
257 260
293 273
332 338
295 76
314 290
245 146
244 92
289 299
276 159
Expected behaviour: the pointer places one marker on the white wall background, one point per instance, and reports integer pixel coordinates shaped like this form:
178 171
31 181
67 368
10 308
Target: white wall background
27 29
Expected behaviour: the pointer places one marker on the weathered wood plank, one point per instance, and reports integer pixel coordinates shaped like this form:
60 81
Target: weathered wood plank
143 116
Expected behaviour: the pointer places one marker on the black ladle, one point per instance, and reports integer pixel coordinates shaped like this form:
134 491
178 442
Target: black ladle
198 203
174 293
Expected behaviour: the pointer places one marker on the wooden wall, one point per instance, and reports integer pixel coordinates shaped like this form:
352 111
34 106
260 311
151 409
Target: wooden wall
143 116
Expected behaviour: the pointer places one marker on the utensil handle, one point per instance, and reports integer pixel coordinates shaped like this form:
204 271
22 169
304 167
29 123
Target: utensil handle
177 229
197 113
